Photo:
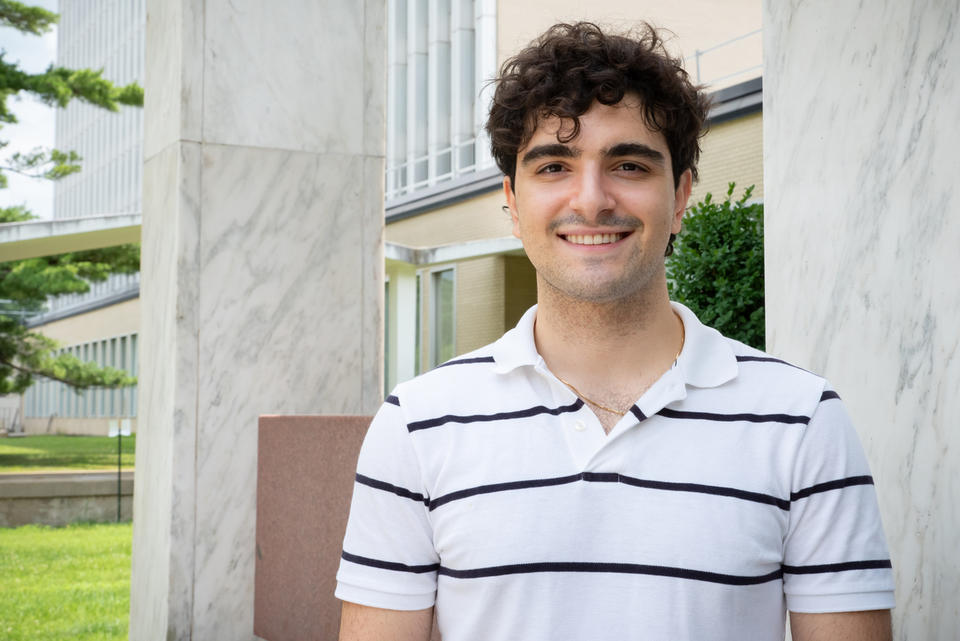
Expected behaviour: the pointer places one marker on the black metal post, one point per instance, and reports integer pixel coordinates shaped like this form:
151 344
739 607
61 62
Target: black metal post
119 457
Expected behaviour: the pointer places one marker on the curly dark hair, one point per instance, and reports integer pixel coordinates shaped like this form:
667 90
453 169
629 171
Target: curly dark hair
572 65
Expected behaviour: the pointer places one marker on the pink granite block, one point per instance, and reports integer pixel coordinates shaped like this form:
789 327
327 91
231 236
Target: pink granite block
305 473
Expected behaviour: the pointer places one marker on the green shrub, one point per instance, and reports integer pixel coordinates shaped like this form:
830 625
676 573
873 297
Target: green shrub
717 266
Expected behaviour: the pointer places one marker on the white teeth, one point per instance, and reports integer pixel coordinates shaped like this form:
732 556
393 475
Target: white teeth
594 239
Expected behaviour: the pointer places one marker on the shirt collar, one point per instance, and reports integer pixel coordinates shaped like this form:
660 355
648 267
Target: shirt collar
517 347
707 359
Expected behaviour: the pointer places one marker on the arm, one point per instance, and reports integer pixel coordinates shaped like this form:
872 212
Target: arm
389 562
870 625
363 623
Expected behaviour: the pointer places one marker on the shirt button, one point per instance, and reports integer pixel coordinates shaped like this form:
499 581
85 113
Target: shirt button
579 426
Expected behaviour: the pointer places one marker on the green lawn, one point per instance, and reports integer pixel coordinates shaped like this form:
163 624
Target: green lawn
65 583
56 453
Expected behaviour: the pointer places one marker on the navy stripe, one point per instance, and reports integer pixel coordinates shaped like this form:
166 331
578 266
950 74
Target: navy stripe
768 359
751 418
715 490
611 477
389 565
501 487
464 361
394 489
617 568
831 485
500 416
393 400
827 395
636 411
878 564
761 359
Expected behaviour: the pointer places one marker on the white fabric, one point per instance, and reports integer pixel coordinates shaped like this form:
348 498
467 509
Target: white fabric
645 533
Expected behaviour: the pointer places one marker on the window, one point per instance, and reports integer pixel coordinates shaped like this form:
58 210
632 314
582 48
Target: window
442 321
440 53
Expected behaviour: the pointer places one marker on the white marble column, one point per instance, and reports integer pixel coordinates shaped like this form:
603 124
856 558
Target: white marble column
861 108
262 276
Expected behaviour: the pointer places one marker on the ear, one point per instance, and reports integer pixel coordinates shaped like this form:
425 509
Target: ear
680 198
511 199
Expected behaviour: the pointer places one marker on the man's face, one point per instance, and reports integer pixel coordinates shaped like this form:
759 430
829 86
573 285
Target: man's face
595 213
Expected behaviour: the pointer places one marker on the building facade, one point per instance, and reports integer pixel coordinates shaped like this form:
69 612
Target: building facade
456 278
103 324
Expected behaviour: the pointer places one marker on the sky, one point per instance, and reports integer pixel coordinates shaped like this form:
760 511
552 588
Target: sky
36 121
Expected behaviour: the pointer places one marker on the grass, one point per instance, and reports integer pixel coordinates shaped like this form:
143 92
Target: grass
48 453
65 583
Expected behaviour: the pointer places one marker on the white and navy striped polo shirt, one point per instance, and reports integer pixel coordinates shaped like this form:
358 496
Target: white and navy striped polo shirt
734 488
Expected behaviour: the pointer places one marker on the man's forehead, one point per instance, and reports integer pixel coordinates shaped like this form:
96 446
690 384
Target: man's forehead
623 120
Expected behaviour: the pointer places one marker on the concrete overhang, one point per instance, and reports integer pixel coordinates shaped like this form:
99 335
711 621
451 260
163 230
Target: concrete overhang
736 101
51 237
424 256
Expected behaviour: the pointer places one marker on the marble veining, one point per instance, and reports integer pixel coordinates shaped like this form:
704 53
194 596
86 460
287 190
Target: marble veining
374 83
163 558
304 61
263 276
862 230
281 290
372 393
173 81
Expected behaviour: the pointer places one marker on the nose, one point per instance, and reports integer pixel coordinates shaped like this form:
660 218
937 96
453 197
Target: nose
591 195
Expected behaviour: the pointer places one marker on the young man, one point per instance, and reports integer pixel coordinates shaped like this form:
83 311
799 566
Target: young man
610 469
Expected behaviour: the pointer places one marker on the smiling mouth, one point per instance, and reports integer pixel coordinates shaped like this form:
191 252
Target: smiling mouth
594 239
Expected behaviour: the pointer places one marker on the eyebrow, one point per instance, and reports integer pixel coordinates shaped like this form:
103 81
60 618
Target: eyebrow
635 149
553 150
557 150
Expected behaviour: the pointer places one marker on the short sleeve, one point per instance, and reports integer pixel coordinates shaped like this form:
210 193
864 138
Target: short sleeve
389 559
835 552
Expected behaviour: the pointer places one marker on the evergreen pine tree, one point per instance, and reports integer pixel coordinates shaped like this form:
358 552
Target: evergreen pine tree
26 284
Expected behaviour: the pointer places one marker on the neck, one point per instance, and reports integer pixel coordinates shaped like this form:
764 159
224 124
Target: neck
619 347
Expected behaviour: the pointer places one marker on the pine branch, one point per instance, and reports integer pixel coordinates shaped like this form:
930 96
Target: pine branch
35 20
31 373
51 164
101 377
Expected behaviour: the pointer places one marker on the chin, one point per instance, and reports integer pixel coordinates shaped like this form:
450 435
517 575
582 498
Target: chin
598 293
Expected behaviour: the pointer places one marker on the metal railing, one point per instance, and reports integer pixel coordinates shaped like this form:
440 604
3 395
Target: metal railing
10 419
698 60
460 158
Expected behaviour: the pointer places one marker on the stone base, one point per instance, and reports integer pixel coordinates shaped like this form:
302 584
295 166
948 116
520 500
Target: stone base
63 498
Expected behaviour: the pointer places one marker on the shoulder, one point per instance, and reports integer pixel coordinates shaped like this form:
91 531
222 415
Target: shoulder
729 370
752 361
775 382
450 385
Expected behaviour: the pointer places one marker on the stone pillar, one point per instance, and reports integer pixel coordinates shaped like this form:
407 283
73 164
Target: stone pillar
262 276
860 111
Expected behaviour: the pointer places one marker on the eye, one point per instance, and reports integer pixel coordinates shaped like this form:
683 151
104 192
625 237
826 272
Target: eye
631 167
552 168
